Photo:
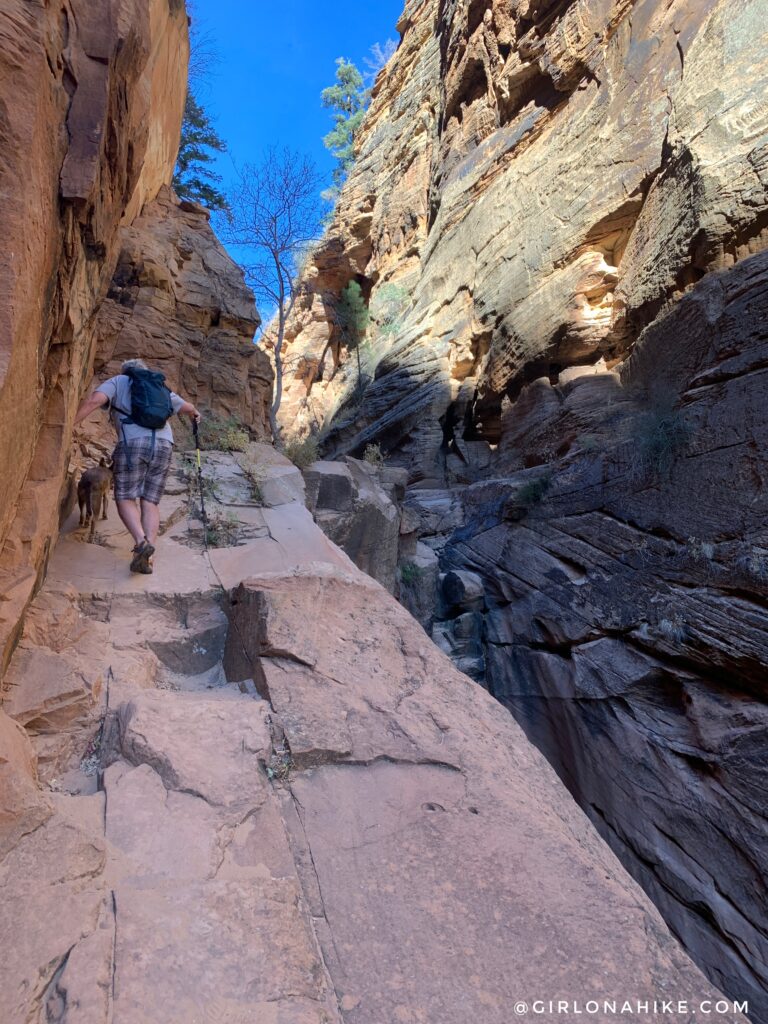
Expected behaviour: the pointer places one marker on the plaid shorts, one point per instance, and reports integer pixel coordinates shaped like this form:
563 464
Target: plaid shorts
145 473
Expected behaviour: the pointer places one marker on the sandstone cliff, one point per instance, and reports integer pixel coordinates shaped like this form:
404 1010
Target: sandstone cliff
558 212
102 262
92 133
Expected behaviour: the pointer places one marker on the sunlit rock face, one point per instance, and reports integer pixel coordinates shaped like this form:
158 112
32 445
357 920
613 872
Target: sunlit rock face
94 96
537 180
558 213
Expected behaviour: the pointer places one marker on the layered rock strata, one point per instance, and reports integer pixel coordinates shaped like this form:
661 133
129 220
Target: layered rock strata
623 608
90 132
304 813
534 182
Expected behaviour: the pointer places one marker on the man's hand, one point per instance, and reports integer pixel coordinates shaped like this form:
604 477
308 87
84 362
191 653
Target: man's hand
189 410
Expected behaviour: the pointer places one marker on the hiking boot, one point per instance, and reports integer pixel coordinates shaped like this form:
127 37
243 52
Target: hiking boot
142 554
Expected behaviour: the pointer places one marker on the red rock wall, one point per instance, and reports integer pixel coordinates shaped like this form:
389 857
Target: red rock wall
90 128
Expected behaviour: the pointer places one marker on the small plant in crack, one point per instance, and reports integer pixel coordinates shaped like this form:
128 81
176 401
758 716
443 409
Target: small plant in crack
674 629
280 764
659 435
410 573
700 550
89 763
222 530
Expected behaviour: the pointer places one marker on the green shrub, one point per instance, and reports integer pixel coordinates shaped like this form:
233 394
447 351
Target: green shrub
658 435
390 302
409 573
302 452
374 455
533 492
223 434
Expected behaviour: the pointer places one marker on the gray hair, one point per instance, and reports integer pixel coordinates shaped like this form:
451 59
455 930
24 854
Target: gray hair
133 364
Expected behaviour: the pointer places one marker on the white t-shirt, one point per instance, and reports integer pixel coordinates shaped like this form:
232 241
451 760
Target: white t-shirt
118 391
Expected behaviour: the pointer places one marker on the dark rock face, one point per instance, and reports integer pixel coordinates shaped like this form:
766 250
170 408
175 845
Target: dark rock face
626 595
358 505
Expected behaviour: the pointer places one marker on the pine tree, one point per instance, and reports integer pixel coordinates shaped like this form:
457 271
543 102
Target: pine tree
348 98
353 318
194 177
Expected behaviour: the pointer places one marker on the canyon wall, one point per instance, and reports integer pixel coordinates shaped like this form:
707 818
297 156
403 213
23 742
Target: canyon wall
558 214
91 134
101 261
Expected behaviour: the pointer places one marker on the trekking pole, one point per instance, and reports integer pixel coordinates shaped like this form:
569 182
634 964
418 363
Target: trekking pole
200 484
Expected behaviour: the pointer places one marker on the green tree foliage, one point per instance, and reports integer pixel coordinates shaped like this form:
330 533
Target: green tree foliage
348 100
389 304
194 177
353 318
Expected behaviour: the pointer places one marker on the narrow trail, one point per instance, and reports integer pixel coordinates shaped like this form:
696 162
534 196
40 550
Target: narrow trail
302 813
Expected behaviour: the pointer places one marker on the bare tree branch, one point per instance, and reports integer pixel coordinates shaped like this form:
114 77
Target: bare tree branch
274 214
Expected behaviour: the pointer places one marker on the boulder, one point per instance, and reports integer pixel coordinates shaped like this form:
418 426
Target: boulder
329 487
356 505
23 808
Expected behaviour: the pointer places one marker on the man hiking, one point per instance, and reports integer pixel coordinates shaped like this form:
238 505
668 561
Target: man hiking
140 405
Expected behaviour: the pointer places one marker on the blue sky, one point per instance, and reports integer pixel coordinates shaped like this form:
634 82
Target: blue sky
274 60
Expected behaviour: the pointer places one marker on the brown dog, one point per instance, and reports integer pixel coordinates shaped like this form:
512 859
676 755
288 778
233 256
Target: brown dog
92 494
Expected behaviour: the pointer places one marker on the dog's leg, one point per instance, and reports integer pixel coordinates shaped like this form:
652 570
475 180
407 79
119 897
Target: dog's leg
81 503
104 505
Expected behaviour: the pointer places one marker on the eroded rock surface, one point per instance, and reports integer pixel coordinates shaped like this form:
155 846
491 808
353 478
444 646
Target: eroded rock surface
95 95
534 182
339 828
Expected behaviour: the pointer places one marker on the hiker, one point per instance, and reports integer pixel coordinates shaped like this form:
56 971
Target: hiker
140 405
